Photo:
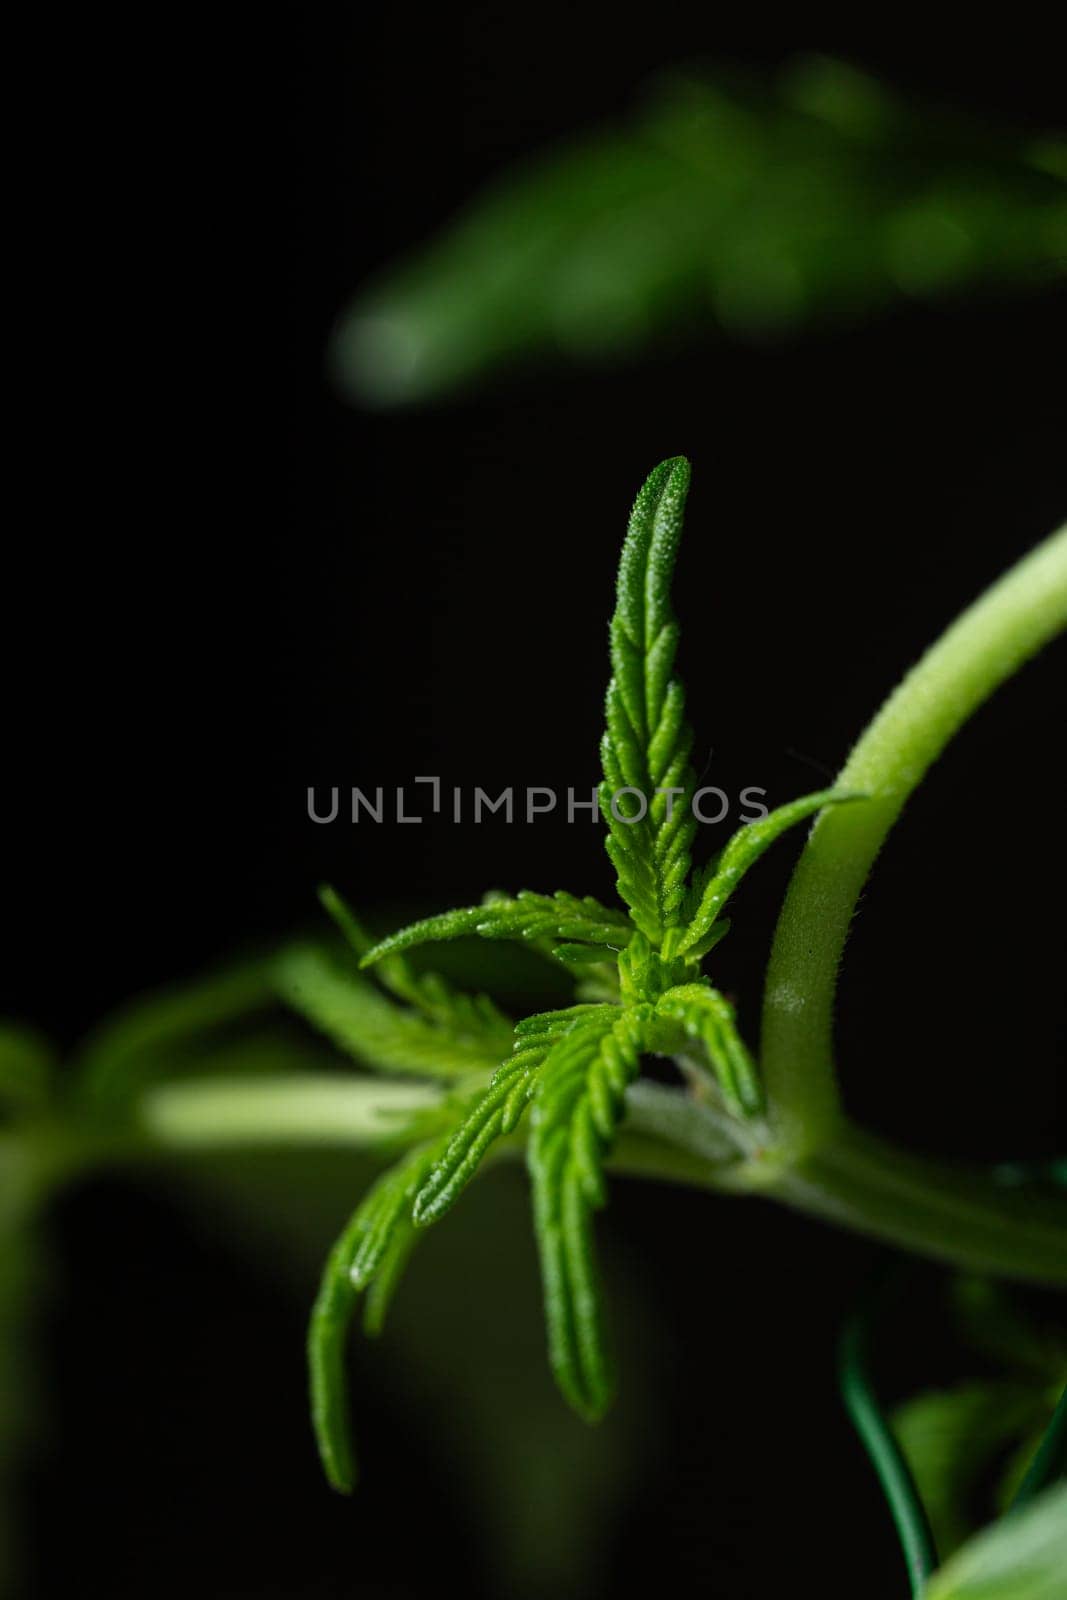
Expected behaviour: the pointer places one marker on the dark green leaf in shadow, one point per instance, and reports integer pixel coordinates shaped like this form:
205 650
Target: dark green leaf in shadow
760 209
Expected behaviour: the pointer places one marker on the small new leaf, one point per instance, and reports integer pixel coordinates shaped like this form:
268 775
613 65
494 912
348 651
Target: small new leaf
578 1108
500 1109
645 751
463 1014
708 1017
382 1035
527 916
373 1246
710 893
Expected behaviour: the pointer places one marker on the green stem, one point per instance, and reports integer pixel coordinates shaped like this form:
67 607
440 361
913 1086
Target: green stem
952 1214
1001 630
955 1214
871 1423
860 1182
306 1110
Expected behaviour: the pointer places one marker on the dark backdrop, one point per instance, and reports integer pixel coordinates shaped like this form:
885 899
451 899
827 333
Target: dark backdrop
262 588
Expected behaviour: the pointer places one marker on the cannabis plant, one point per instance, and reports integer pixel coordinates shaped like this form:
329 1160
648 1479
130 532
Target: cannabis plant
455 1083
564 1087
640 991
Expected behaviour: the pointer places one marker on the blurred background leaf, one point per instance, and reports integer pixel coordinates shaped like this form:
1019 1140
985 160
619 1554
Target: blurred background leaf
23 1282
1021 1557
951 1438
760 208
969 1445
26 1063
173 1031
541 1490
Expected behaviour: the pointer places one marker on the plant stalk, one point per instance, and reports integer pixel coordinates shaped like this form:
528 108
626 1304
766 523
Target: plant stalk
962 1217
1022 612
932 1208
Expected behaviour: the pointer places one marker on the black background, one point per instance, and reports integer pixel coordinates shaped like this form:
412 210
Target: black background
262 588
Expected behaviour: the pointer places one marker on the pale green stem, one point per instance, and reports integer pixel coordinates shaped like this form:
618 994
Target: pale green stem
305 1110
1007 625
859 1182
950 1213
932 1208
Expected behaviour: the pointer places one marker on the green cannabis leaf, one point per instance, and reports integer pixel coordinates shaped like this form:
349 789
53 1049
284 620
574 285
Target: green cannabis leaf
572 1066
757 207
951 1439
579 1105
986 1433
645 751
1021 1557
529 916
370 1254
26 1063
454 1039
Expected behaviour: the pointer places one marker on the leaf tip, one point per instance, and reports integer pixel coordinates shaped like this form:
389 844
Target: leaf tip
340 1475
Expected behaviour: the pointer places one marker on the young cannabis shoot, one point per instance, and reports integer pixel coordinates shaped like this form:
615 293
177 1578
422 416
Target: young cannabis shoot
639 990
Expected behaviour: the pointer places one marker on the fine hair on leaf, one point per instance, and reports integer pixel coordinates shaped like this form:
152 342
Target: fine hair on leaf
636 976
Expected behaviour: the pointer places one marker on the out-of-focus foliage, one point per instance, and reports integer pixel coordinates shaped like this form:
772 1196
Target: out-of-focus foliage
1021 1557
757 208
969 1446
950 1438
25 1073
171 1032
381 1035
16 1271
543 1494
26 1062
